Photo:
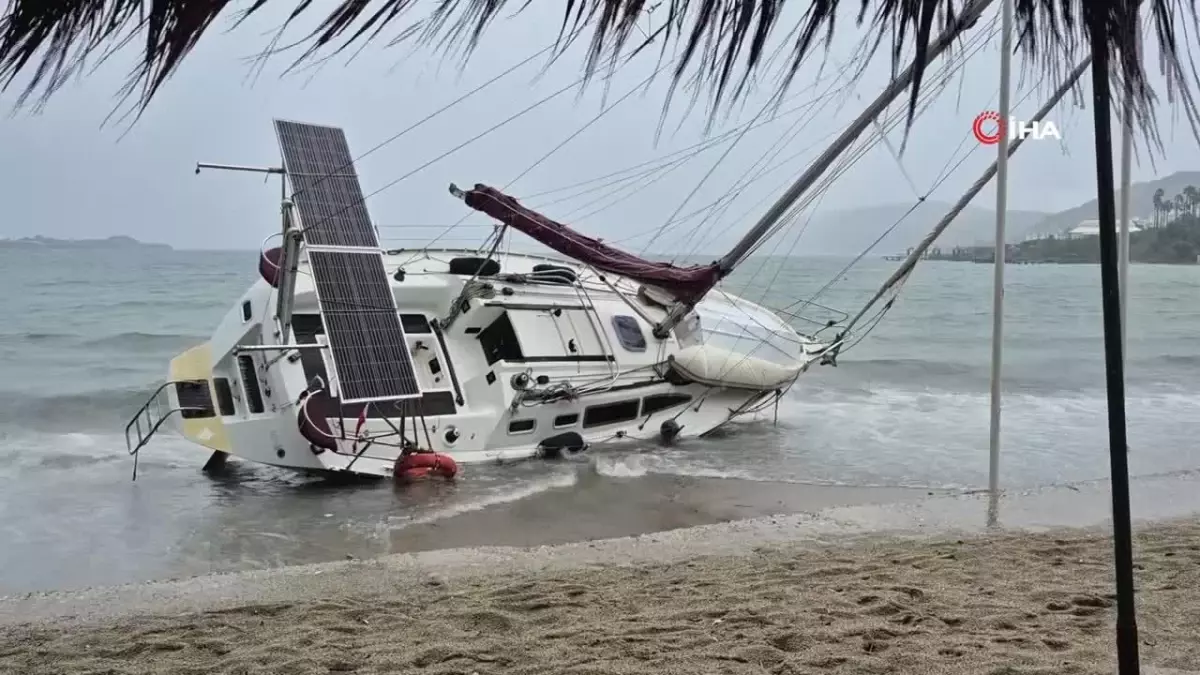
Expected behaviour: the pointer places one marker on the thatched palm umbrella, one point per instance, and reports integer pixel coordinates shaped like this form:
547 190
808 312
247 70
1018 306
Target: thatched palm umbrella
722 45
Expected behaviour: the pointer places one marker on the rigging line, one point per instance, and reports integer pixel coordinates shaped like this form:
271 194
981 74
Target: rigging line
900 282
708 175
892 149
744 184
558 147
857 152
453 150
638 187
428 117
628 180
714 215
945 75
942 178
698 146
675 164
818 196
724 198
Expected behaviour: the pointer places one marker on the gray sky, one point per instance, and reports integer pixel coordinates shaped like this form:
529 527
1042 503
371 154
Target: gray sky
63 175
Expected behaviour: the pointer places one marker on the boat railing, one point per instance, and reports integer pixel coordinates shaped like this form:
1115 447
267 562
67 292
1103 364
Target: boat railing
152 415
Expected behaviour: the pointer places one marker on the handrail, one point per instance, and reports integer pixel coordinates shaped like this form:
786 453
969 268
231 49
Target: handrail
152 424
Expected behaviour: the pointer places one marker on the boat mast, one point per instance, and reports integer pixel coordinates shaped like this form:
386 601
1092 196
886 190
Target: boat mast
813 173
999 259
289 258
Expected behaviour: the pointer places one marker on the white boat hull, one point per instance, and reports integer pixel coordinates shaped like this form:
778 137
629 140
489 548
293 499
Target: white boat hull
490 374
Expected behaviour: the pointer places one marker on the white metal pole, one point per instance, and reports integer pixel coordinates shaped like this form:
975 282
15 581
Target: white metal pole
1001 250
1126 179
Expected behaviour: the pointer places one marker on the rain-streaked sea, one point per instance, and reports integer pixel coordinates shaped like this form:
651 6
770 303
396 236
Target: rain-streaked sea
87 335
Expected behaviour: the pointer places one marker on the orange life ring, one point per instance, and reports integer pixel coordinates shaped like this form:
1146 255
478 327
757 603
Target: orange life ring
425 464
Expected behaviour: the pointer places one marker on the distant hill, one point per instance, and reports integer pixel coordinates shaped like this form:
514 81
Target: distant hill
850 231
50 243
1141 203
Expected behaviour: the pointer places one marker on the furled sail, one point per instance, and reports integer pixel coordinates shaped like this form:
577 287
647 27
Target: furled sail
686 283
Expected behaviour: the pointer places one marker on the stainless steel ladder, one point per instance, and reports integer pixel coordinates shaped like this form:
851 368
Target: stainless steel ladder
149 418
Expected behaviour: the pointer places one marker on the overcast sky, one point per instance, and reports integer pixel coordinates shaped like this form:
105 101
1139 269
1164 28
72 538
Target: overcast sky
64 175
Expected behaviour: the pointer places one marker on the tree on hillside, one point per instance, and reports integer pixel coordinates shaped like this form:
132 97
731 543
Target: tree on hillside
1159 207
1192 195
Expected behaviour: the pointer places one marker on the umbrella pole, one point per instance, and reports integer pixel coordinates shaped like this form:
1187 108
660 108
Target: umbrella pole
1127 641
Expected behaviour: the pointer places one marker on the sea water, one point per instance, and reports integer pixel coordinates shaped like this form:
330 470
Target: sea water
87 335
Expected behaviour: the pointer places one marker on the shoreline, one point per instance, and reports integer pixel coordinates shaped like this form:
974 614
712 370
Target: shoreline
1084 508
1015 603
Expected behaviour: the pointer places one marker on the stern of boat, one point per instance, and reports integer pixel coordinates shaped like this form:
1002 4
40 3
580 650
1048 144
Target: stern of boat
193 394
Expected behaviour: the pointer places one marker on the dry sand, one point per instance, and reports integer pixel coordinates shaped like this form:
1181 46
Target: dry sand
1001 605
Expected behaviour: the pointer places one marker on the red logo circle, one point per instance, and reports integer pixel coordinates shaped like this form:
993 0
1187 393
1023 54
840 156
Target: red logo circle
988 118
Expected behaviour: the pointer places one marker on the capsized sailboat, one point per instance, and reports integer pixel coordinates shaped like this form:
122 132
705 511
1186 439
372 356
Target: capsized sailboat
343 355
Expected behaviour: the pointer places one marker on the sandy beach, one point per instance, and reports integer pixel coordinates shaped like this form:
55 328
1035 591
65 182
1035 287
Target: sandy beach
1000 604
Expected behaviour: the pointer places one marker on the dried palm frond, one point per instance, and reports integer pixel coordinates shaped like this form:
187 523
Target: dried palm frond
723 42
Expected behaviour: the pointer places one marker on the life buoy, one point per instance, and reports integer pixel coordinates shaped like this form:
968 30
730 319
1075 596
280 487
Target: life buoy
424 465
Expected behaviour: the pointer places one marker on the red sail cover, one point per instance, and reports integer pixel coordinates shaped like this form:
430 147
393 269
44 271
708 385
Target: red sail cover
686 283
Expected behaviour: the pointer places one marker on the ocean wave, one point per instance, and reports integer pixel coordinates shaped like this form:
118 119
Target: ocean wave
107 409
908 366
137 341
36 338
127 341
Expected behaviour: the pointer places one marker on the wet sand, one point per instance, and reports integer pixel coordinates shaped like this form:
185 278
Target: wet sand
918 586
606 507
1002 604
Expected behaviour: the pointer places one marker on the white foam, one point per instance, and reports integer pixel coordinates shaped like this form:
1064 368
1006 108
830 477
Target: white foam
523 491
629 466
893 435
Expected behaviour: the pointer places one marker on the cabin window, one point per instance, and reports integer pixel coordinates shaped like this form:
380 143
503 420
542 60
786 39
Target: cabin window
499 341
254 400
195 399
224 396
657 402
629 333
247 311
521 426
415 324
610 413
567 420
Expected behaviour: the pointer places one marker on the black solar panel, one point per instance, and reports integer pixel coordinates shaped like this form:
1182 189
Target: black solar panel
363 328
325 187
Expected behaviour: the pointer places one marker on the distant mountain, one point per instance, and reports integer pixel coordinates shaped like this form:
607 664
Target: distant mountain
1141 203
49 243
850 231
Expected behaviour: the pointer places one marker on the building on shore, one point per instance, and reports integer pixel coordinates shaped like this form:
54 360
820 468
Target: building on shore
1091 228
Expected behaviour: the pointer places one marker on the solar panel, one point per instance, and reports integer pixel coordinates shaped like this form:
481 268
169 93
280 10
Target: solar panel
365 337
325 187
